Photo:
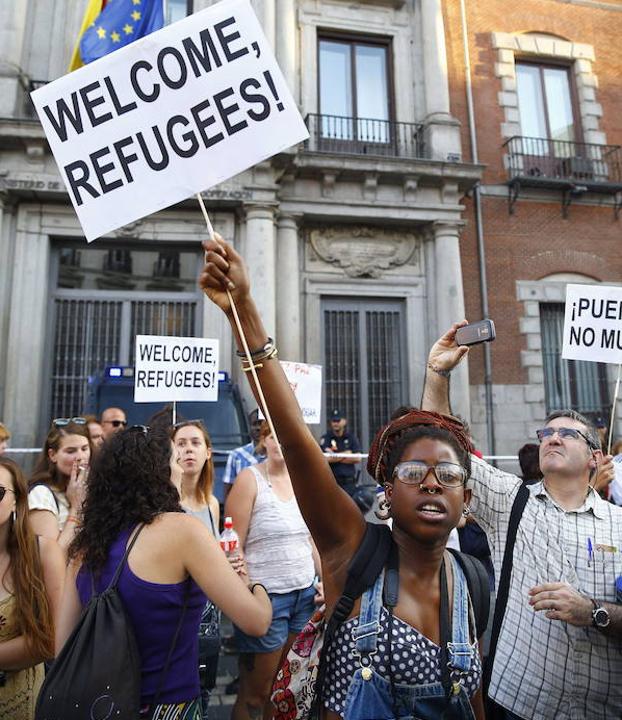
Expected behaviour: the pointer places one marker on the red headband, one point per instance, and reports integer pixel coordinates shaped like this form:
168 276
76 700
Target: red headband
386 438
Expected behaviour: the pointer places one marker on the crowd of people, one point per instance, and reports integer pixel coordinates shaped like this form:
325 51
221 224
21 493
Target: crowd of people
133 507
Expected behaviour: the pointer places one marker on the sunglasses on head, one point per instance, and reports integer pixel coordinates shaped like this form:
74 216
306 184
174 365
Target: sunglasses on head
63 422
448 474
4 491
116 423
564 433
144 429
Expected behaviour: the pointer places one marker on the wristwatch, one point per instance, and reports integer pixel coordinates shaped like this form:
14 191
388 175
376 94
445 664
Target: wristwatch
600 616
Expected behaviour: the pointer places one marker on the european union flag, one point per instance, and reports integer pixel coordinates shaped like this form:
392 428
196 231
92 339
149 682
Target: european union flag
120 23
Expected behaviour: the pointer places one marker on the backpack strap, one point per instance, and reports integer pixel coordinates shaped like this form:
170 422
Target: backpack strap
479 589
130 545
364 568
504 580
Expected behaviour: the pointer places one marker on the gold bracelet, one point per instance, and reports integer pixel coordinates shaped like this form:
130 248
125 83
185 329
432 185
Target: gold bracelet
257 363
73 519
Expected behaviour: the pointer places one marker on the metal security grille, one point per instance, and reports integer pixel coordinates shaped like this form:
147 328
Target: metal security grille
161 318
88 337
93 332
572 384
364 344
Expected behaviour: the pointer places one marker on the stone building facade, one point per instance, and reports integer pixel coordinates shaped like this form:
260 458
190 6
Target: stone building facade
361 242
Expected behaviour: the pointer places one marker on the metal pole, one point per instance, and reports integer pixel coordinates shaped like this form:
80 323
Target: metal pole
479 228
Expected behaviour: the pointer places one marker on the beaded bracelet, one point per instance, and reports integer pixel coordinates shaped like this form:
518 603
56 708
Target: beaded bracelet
439 371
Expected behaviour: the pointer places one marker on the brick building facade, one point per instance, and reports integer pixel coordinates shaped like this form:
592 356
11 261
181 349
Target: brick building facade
563 225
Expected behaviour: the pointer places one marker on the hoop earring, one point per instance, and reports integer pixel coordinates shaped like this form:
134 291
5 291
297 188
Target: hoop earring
467 511
13 516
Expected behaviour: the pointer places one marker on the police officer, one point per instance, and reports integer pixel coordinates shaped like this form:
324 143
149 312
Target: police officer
339 440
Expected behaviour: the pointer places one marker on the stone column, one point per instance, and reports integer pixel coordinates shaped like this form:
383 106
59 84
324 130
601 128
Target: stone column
286 42
442 131
288 329
259 253
268 21
450 303
12 35
29 311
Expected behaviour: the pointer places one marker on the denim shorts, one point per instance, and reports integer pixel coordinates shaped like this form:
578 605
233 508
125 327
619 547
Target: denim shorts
290 612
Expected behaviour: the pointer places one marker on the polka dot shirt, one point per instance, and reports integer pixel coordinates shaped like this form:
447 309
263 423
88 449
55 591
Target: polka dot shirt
416 660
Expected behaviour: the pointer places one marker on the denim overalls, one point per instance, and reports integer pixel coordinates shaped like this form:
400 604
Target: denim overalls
369 696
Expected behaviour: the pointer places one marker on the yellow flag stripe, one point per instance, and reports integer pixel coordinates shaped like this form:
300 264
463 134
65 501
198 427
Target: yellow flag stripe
93 9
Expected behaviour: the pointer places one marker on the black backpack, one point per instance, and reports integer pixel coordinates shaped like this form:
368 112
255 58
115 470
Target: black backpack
371 557
97 673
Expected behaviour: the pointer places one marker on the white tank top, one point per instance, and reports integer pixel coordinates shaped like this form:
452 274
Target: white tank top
278 548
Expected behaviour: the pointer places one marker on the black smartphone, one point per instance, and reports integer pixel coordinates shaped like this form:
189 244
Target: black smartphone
479 332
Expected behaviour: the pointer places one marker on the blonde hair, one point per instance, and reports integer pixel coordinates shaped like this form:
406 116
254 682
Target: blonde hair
4 432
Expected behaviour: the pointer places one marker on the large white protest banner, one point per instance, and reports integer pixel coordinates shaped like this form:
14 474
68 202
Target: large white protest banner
593 323
167 116
170 369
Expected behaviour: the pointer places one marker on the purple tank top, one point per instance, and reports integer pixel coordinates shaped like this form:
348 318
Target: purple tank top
154 610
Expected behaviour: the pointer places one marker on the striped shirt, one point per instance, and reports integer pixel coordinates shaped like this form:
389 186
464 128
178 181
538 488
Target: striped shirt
547 668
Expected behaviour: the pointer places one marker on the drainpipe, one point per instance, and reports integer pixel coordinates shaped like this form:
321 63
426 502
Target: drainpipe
479 227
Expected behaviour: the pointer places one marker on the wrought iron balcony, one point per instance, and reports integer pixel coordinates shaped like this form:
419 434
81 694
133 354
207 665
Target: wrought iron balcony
341 135
572 167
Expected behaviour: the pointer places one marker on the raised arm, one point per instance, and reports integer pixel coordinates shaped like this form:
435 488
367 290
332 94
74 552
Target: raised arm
335 522
442 359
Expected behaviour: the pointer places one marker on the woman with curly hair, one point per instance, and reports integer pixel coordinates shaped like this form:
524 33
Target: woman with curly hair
392 656
174 561
58 481
31 578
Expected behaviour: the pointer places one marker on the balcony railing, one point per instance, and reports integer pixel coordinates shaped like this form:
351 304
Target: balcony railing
340 135
558 163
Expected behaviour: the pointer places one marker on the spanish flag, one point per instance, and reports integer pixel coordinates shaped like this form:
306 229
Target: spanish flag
111 24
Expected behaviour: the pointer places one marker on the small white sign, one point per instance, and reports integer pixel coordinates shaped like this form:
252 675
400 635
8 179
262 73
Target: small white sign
169 369
593 323
306 382
168 116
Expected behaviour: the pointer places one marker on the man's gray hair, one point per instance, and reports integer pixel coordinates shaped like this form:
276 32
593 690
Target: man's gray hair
574 415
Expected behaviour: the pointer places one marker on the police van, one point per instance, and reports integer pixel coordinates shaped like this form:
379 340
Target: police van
225 420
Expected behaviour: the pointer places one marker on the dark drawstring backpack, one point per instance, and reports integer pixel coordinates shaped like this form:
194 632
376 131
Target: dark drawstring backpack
97 673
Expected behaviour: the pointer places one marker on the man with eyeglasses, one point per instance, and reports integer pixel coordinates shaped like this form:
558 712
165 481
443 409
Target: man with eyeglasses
559 649
112 420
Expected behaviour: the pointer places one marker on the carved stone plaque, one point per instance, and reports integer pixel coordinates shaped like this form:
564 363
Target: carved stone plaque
364 251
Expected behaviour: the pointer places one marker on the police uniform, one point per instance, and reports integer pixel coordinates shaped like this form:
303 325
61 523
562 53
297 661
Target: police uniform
345 473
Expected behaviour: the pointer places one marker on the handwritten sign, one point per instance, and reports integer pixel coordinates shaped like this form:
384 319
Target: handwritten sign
175 369
168 116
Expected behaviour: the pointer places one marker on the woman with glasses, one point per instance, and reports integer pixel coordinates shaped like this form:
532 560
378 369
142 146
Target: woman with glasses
57 485
31 577
423 461
175 562
193 449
